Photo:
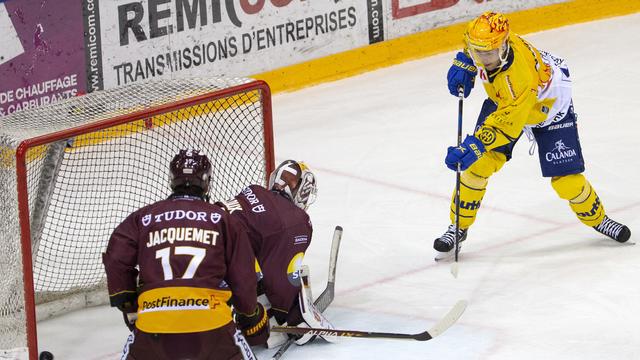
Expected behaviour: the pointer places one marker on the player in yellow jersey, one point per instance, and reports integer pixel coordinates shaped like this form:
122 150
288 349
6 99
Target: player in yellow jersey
528 90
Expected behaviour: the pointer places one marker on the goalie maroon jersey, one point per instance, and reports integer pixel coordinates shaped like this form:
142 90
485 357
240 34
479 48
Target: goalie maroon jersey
280 233
192 258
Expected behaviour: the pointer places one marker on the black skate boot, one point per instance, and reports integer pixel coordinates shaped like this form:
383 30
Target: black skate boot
613 229
445 244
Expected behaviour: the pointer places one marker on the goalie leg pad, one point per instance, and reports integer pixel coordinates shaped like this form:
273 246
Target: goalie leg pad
583 199
473 185
310 314
275 338
305 275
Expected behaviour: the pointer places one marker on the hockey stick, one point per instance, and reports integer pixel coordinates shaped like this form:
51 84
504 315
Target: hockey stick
323 301
446 322
454 266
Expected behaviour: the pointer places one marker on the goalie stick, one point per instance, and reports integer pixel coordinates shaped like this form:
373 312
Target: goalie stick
326 297
452 316
323 301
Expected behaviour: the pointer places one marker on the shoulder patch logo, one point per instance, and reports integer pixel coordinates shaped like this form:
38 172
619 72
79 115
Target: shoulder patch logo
300 239
215 217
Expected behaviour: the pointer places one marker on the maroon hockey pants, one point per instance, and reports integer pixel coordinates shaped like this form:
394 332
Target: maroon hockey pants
217 344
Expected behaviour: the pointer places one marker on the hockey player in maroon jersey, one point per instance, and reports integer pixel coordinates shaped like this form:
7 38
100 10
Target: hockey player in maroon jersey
280 233
191 259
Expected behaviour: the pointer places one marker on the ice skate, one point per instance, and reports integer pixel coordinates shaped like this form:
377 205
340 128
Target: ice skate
445 244
613 229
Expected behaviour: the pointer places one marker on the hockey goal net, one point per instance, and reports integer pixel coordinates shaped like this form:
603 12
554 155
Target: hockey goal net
72 171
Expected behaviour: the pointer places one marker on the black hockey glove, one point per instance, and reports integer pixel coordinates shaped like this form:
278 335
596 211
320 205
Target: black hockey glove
129 313
255 327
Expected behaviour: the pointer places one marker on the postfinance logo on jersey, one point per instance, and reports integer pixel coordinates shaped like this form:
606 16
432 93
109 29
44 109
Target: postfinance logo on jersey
293 268
182 309
173 234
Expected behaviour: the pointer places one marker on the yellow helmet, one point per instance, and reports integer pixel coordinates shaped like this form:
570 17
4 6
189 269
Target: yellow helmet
488 31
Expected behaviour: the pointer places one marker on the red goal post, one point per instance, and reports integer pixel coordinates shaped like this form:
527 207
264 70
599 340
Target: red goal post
71 171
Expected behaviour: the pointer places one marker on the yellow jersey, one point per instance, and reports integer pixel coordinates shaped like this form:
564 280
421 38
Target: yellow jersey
526 91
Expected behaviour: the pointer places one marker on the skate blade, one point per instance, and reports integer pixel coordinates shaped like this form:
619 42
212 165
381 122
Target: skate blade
445 256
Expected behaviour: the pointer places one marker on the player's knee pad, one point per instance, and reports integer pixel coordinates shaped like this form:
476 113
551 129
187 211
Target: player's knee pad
583 199
472 181
488 164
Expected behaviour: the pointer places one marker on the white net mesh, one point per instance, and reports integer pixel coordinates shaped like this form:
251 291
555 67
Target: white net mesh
81 187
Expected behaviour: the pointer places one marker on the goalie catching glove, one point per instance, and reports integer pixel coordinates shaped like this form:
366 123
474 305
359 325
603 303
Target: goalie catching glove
255 327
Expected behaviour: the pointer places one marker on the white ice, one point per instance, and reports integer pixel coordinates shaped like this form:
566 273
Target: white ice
540 285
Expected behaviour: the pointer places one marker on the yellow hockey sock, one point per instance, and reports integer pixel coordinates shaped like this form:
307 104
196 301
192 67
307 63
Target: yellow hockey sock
582 197
473 185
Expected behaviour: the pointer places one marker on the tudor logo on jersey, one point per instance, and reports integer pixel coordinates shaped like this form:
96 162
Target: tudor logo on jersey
181 215
252 198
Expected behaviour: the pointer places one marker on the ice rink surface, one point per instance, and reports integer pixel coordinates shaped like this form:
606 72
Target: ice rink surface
540 285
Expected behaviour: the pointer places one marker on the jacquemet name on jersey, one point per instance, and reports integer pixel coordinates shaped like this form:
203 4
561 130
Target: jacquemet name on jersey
173 234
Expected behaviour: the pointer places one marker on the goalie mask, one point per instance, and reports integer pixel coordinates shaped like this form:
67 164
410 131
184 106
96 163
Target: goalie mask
190 169
296 181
